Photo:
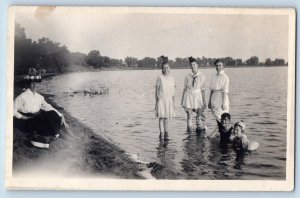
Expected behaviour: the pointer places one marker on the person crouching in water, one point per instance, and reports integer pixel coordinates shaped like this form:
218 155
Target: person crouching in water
35 116
239 139
164 98
226 130
193 96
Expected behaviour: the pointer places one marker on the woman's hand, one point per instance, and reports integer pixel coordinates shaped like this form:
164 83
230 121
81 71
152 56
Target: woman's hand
23 117
224 107
209 105
204 106
63 121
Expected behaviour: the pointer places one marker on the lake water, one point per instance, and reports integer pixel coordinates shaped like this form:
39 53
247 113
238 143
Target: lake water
126 117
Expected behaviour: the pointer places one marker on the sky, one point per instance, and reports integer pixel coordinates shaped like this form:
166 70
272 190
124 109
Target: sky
139 34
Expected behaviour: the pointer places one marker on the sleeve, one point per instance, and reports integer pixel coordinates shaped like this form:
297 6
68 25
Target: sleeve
158 82
202 87
173 85
17 107
185 82
47 107
226 85
174 82
212 83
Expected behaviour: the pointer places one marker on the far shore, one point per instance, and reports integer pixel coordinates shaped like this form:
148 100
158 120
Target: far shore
117 68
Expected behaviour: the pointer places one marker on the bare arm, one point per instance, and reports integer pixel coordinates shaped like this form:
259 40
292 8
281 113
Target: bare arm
223 100
184 90
203 98
156 95
245 142
210 95
213 133
47 107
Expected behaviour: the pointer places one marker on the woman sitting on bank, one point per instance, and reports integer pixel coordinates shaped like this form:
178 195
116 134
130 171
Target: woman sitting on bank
35 116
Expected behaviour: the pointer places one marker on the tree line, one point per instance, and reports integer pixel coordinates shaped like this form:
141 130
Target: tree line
56 58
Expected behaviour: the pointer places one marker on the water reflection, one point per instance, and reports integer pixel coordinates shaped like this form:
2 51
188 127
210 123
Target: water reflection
194 163
164 168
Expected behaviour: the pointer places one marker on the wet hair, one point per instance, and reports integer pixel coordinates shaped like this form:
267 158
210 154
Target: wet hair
225 115
218 60
240 124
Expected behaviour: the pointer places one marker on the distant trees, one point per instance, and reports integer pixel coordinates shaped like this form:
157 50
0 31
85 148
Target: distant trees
43 54
147 62
94 58
54 57
253 60
131 62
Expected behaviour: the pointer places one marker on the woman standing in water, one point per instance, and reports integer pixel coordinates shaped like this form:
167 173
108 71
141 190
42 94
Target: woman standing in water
193 96
218 99
164 98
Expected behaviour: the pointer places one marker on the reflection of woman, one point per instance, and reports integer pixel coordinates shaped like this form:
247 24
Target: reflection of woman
218 99
35 116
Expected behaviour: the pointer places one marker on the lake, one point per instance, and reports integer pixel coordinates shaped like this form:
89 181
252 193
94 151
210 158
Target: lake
126 117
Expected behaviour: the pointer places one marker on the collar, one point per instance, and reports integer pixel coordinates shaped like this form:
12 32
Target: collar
221 73
197 74
30 92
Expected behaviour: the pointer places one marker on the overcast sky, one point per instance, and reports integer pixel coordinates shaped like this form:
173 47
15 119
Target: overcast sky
119 35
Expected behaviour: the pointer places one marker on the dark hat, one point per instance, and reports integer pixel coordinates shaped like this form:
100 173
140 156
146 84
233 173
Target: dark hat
191 59
164 59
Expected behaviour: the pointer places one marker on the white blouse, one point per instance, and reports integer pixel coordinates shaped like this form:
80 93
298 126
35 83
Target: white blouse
166 86
195 82
29 102
220 82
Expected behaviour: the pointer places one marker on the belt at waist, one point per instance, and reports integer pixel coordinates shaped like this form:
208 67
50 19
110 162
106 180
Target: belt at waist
31 114
193 90
217 90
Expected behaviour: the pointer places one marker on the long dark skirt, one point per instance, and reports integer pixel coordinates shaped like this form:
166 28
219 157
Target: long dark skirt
45 123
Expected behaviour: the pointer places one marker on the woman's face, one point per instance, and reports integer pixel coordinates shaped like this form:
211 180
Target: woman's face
165 69
219 67
225 122
194 67
32 86
237 131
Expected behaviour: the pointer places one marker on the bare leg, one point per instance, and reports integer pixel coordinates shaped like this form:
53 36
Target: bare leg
189 119
166 125
160 124
166 137
200 119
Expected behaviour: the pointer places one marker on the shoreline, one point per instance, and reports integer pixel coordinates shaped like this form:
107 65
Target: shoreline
79 151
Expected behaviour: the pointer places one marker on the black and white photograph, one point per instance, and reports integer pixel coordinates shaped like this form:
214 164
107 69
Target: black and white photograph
150 98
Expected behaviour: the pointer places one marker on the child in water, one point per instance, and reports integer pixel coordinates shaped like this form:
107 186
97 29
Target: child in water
225 129
239 139
164 98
